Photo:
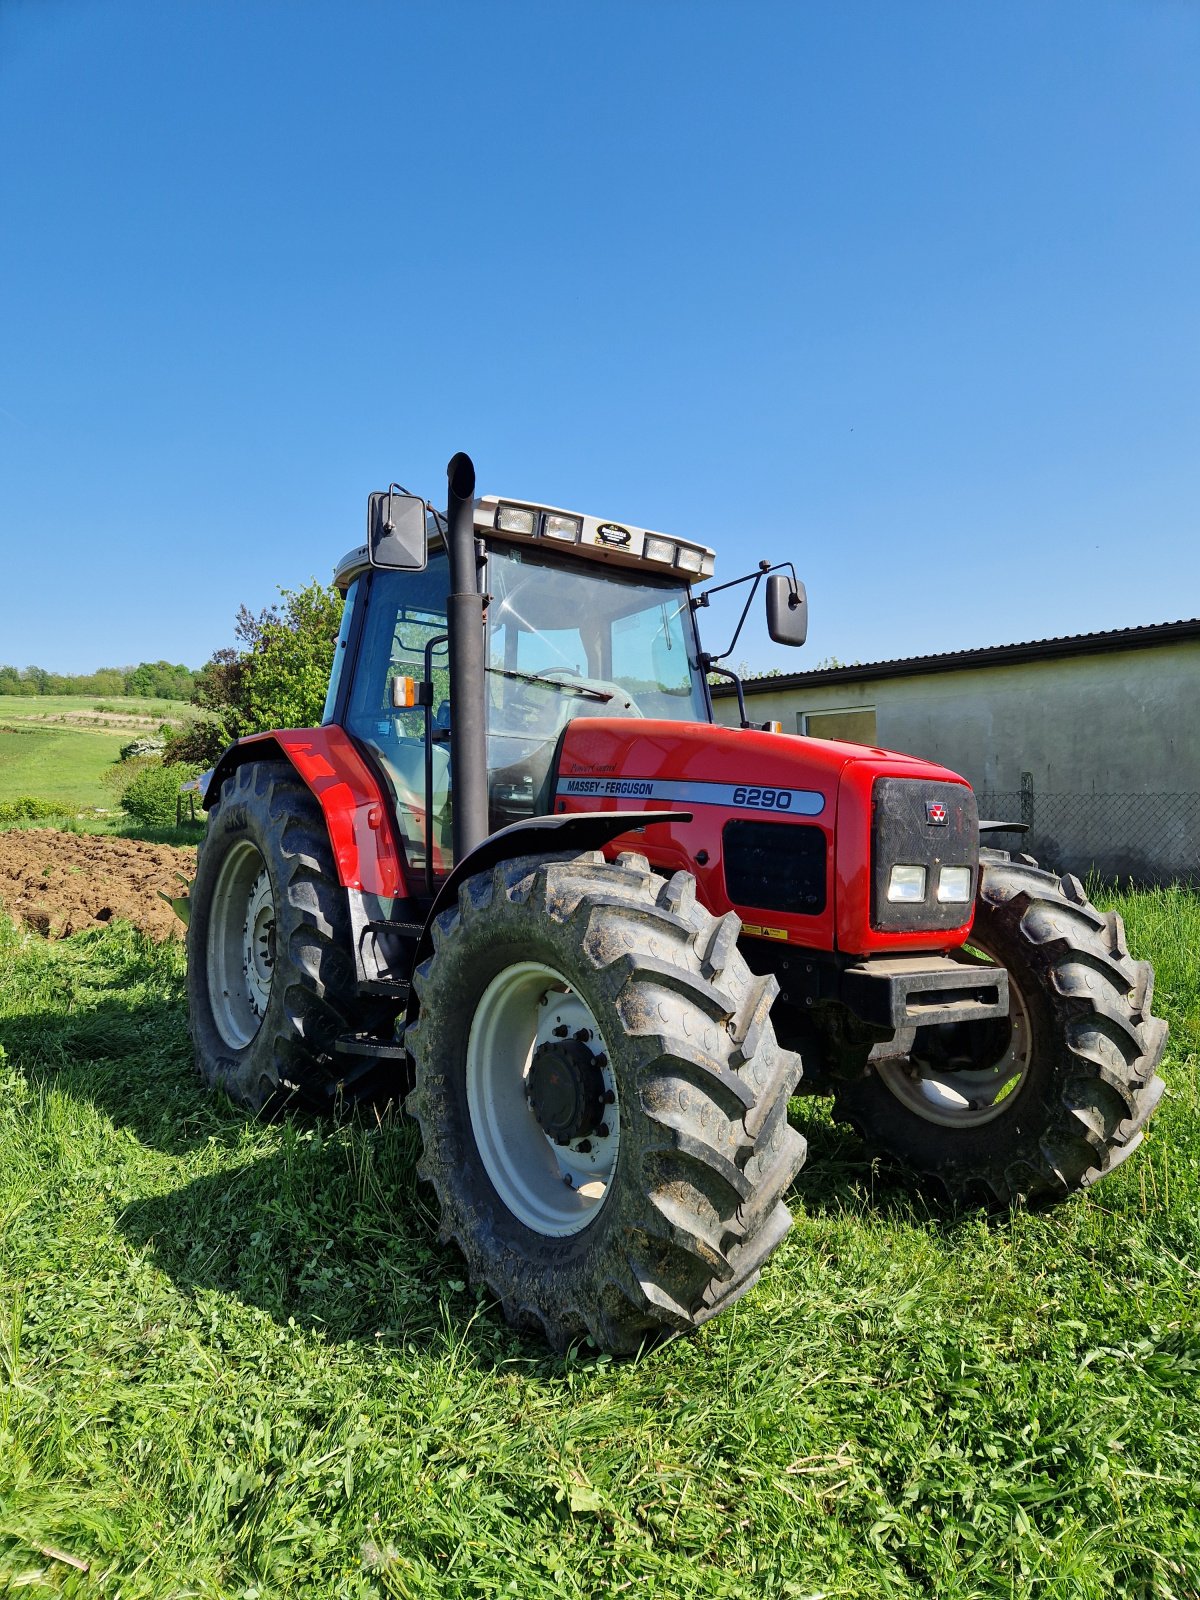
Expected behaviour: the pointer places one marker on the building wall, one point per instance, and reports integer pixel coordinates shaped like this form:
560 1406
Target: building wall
1122 724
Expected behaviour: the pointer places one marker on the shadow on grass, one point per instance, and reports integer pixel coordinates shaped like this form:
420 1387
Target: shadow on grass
316 1220
328 1233
110 827
840 1179
129 1059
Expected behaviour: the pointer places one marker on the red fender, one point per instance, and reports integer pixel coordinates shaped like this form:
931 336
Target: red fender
357 811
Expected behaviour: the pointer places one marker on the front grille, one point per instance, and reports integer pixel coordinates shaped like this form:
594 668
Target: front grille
901 832
775 866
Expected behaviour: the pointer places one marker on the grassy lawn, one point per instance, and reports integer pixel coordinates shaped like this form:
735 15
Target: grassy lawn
234 1362
48 752
52 707
60 764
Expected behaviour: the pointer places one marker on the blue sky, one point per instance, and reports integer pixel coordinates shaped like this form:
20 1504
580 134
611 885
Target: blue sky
905 292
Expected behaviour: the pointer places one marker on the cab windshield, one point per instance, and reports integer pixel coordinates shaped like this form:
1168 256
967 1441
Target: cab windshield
568 640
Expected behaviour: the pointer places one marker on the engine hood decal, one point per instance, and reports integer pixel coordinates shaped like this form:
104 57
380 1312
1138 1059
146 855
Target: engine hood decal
733 796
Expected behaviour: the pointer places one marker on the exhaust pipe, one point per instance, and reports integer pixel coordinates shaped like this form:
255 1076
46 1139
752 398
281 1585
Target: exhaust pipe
468 706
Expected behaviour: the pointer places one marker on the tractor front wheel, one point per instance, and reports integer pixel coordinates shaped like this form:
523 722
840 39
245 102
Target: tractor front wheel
1049 1100
602 1100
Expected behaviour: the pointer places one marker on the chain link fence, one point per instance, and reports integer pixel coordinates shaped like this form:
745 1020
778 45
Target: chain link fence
1137 838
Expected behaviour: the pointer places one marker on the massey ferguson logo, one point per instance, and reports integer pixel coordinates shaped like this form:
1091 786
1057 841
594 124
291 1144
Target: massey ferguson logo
936 814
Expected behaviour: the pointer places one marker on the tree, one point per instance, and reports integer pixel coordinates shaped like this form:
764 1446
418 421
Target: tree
277 680
288 672
160 680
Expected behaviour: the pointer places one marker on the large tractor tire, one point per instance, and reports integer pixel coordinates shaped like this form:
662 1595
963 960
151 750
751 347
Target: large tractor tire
602 1099
1052 1099
271 977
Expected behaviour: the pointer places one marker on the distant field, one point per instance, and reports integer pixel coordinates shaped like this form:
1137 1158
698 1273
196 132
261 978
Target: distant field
62 764
55 747
81 709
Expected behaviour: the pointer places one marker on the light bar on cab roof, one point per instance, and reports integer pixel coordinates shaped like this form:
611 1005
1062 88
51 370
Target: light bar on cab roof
614 542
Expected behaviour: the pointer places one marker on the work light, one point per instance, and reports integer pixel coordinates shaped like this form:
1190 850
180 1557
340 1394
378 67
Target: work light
556 526
515 519
656 549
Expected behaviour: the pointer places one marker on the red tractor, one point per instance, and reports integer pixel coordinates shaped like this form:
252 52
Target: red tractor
521 875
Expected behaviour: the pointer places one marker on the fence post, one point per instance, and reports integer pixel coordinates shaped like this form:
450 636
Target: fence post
1027 798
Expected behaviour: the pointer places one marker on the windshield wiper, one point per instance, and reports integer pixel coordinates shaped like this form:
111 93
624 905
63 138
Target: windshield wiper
553 683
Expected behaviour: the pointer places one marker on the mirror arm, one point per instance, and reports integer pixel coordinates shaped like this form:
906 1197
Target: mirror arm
708 664
764 567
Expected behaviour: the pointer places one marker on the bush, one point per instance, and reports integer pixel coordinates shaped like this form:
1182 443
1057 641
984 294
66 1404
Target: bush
121 774
152 796
27 808
141 747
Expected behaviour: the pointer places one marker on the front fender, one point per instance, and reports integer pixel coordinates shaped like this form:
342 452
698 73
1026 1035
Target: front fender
576 832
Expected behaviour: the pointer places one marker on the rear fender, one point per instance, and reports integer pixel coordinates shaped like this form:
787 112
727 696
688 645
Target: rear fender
538 836
358 814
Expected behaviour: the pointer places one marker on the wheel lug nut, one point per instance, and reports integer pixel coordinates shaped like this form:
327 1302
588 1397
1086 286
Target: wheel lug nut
584 1146
602 1131
609 1097
561 1032
584 1035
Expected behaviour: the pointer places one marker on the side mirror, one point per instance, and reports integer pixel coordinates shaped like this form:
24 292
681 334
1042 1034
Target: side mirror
396 532
787 610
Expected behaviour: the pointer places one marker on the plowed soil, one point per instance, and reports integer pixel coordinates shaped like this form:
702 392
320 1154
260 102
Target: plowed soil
61 883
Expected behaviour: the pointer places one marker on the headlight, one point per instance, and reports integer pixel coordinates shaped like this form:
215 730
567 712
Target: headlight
557 526
907 883
688 558
656 549
515 519
954 884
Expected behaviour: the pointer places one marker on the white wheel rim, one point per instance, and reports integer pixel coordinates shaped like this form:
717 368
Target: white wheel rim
554 1189
241 945
967 1097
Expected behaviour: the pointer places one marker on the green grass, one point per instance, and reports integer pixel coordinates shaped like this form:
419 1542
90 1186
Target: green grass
61 761
23 707
60 764
233 1361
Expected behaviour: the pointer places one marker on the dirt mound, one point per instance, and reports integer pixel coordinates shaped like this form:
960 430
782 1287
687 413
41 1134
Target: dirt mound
60 883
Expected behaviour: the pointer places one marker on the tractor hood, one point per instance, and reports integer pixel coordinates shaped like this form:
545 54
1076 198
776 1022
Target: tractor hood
805 810
627 760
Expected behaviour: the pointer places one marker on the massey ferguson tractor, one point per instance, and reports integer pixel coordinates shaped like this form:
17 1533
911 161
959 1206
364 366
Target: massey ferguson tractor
522 877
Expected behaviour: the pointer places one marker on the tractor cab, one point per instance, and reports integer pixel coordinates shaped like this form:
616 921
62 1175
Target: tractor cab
582 618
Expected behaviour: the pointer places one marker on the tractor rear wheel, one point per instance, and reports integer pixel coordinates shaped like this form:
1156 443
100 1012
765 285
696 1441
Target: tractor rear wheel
271 977
602 1100
1054 1098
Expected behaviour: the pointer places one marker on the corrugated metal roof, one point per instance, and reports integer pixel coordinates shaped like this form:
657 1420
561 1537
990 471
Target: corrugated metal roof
992 655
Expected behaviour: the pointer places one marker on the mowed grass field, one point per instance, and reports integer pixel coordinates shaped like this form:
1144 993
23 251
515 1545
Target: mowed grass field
55 747
234 1361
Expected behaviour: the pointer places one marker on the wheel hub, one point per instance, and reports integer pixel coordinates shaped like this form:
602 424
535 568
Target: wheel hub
542 1099
565 1089
258 945
241 945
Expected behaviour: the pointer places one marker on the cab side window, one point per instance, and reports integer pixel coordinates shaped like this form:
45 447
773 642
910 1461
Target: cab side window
405 611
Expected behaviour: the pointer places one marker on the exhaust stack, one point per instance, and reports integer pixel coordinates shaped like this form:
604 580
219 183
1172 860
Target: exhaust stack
468 706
